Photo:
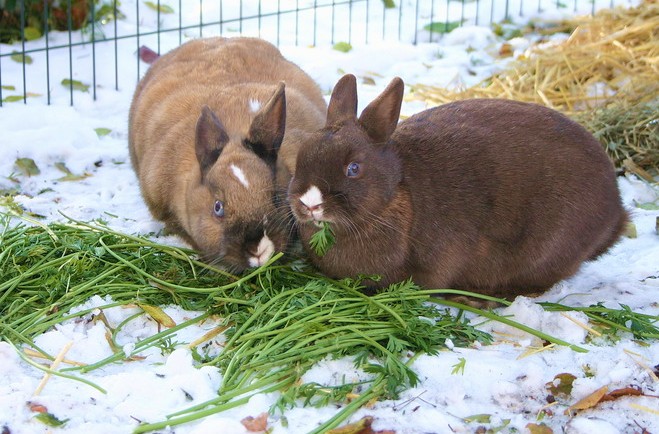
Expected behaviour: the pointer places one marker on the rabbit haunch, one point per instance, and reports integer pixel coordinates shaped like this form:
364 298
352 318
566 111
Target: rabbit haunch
214 129
491 196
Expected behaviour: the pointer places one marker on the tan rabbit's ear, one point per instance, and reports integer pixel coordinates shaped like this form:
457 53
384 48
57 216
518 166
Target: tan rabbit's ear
210 138
380 117
343 102
267 130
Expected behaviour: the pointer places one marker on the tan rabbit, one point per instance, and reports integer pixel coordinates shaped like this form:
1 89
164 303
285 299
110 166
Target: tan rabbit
487 195
211 124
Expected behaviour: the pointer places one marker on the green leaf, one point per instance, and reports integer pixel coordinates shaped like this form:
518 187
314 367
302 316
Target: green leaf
561 386
13 98
322 240
478 418
31 33
164 9
8 87
27 166
102 132
343 47
648 206
50 420
77 85
459 368
68 175
21 58
389 4
443 27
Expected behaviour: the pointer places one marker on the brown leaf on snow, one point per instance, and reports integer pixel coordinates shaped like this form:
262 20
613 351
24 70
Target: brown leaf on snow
589 401
363 426
37 408
256 424
618 393
561 385
534 428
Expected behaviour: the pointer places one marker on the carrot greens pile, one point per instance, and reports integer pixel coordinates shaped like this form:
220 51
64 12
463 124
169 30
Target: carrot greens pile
278 320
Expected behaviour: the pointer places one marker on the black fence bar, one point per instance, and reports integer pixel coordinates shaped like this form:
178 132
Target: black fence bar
313 20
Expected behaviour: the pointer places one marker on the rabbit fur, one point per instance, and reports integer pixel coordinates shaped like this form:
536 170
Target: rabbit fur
213 134
492 196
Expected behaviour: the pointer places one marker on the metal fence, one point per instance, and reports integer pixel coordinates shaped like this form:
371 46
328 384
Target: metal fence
85 55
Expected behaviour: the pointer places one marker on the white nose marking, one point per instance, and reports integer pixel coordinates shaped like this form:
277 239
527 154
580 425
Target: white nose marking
240 175
264 251
312 198
254 105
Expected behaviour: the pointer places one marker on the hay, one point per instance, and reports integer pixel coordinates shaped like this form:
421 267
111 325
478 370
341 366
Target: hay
605 76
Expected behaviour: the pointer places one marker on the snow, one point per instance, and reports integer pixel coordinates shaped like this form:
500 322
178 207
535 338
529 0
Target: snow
505 380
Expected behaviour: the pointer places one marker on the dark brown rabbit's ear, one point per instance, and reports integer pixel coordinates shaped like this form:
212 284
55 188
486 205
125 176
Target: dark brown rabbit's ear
343 102
210 139
380 117
267 130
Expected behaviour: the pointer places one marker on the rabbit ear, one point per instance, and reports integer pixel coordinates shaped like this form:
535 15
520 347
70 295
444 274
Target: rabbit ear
267 130
380 117
343 102
210 138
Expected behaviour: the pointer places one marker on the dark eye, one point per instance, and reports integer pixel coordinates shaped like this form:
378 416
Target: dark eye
218 209
352 170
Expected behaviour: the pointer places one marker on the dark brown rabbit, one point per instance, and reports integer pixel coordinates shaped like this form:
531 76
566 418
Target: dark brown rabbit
209 123
493 196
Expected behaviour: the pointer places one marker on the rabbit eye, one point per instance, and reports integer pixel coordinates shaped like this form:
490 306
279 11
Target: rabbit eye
352 170
218 209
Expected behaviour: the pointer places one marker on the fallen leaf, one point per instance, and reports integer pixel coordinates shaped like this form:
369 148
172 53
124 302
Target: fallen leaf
147 55
163 9
619 393
561 385
343 47
506 50
362 426
102 132
75 85
50 419
538 429
68 176
157 314
589 401
479 418
21 58
27 166
256 424
37 408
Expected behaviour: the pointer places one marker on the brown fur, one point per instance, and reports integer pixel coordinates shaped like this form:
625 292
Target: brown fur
493 196
182 153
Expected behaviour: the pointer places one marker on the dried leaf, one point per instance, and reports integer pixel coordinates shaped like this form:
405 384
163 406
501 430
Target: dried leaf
158 315
619 393
147 55
589 401
27 166
37 408
256 424
538 429
561 385
68 176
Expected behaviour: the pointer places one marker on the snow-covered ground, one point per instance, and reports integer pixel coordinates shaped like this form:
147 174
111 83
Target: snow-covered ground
506 380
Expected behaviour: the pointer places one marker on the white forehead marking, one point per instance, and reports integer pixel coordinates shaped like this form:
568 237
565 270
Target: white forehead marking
264 251
254 105
240 175
312 197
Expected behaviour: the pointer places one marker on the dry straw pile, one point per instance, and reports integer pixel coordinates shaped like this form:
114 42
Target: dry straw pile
605 75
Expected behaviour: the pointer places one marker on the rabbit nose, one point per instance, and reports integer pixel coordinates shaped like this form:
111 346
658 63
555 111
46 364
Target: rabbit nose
312 202
261 252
